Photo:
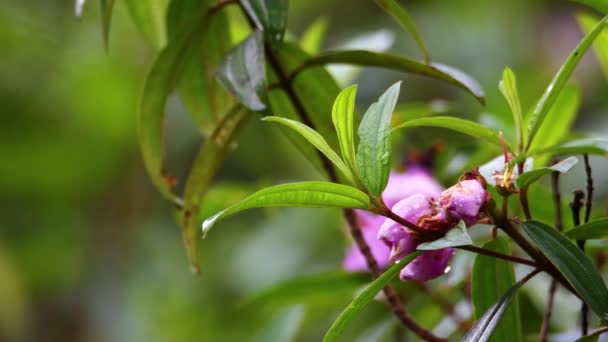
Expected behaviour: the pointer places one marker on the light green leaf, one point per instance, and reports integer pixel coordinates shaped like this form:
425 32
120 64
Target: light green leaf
316 140
377 59
160 82
456 124
491 278
374 153
204 169
106 19
269 16
363 299
243 72
597 146
573 264
304 194
149 16
596 229
402 16
600 5
527 178
312 38
284 325
342 114
546 102
455 237
587 22
508 88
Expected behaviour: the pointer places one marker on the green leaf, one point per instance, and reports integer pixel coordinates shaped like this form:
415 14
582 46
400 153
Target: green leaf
304 194
546 102
587 22
491 278
600 5
588 338
284 326
527 178
596 229
467 127
204 169
149 16
342 114
106 19
377 59
312 39
484 327
363 299
455 237
269 16
374 153
316 140
508 88
597 146
160 82
243 72
402 16
573 264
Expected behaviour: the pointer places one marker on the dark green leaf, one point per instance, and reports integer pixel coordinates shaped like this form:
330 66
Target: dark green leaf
342 115
204 169
269 16
596 229
508 88
456 124
106 19
527 178
374 153
455 237
400 14
383 60
491 278
546 102
587 22
588 338
149 16
243 72
596 146
312 38
600 5
304 194
573 264
365 298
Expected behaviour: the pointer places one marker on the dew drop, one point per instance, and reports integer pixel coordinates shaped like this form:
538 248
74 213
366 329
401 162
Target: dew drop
385 158
208 223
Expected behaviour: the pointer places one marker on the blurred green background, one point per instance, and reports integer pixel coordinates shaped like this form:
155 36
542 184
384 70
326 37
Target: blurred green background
90 252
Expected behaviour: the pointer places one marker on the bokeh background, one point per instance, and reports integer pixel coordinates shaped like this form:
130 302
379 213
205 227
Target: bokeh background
89 251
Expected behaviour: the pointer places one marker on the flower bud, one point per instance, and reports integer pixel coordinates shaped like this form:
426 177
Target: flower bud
464 201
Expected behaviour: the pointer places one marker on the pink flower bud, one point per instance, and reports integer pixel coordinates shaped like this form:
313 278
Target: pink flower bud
464 201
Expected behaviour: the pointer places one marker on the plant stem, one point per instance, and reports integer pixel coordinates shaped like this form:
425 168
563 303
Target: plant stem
523 194
491 253
576 205
589 201
544 329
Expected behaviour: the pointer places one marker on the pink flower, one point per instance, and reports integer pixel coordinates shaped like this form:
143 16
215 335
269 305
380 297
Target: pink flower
464 200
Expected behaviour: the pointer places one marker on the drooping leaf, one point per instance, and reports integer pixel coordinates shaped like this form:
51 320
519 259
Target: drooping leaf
455 237
304 194
374 152
107 6
527 178
160 82
456 124
508 88
149 16
491 278
546 102
363 299
576 267
342 114
587 22
596 229
402 16
316 140
224 194
312 38
204 169
243 72
269 16
600 5
377 59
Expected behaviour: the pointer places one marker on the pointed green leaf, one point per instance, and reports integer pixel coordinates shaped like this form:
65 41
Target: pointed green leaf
576 267
402 16
596 146
342 115
587 22
312 38
491 278
508 88
363 299
106 19
455 237
269 16
527 178
304 194
456 124
374 153
316 140
377 59
204 169
243 72
596 229
149 16
546 102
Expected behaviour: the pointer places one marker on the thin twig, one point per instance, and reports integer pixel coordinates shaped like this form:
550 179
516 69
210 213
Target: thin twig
494 254
589 201
576 206
598 331
523 195
544 329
